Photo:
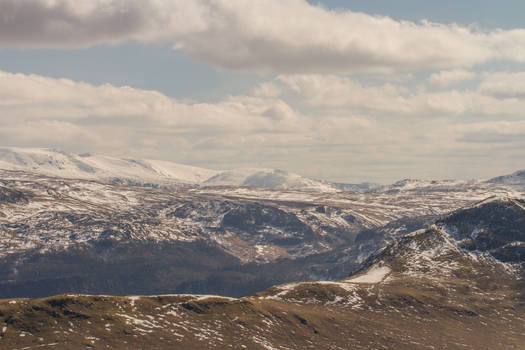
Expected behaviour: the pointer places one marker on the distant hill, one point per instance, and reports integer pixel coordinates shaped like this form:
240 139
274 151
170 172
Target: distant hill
147 172
515 180
159 173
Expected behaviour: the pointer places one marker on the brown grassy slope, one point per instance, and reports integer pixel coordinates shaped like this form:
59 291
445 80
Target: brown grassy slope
403 313
421 292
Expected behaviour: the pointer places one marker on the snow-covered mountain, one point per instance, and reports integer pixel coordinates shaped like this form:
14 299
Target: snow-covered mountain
415 185
98 167
268 178
148 172
515 180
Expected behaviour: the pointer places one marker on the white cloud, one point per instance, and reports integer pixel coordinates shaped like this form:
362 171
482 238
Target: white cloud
37 110
259 35
343 138
267 89
394 100
504 85
37 97
451 77
335 91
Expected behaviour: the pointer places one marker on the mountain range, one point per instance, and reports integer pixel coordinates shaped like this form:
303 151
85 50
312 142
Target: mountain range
146 172
83 236
133 253
444 286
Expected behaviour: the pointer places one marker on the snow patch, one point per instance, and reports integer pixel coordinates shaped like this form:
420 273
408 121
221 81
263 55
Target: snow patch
373 275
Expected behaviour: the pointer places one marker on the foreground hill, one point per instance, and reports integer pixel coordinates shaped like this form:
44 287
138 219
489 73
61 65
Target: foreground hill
426 289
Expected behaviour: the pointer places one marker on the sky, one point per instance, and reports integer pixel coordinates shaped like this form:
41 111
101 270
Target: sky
341 90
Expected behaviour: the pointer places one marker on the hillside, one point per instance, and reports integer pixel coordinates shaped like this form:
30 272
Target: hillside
80 236
421 291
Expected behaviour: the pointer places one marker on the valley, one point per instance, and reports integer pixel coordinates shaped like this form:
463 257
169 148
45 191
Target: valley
98 263
421 291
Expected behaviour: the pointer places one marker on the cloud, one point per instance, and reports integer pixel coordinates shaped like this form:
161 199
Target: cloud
343 138
506 133
76 24
37 97
267 89
37 110
260 35
504 85
451 77
395 100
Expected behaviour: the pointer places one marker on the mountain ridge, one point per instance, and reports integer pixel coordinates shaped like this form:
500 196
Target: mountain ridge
154 173
148 172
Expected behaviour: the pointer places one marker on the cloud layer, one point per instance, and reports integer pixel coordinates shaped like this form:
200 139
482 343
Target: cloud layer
504 85
314 116
497 96
451 77
321 126
260 35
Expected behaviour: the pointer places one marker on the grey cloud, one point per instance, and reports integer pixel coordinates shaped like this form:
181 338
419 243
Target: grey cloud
494 137
259 35
37 23
447 78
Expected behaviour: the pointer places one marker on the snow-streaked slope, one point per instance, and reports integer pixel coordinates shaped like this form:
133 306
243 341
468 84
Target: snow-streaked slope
515 180
359 188
99 167
467 245
427 185
188 173
268 178
422 291
44 161
154 171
